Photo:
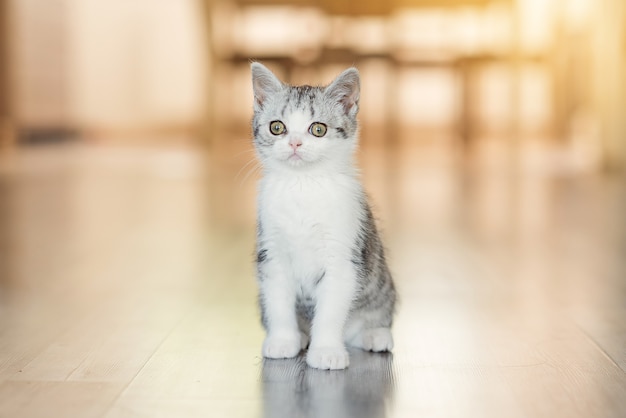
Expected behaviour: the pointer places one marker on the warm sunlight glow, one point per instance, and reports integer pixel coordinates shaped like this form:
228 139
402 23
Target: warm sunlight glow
144 202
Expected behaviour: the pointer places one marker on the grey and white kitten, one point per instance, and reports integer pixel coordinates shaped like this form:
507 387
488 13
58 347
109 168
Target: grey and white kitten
321 267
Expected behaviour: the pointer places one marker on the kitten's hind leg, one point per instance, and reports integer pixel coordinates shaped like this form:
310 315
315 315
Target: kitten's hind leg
372 339
304 340
304 325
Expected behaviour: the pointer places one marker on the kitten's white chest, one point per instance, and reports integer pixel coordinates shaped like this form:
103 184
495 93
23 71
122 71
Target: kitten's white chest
304 220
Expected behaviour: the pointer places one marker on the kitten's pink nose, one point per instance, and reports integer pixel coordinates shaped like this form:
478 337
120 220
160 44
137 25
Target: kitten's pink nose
295 143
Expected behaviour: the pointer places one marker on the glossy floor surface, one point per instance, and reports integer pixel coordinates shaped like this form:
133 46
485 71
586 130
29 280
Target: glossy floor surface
127 289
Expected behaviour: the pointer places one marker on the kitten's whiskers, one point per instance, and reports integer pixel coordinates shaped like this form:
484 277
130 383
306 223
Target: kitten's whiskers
250 167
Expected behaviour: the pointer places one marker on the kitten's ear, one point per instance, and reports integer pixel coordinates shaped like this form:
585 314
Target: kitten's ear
264 84
346 89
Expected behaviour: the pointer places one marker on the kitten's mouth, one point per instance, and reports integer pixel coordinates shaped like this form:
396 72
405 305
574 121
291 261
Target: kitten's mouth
295 156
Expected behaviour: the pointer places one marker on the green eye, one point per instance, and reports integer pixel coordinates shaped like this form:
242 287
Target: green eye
277 127
317 129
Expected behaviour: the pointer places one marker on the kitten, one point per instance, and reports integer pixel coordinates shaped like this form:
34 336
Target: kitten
321 267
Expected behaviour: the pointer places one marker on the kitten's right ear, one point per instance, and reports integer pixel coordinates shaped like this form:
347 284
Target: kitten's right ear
264 84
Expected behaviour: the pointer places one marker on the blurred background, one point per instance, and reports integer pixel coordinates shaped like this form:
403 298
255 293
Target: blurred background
544 74
513 85
493 145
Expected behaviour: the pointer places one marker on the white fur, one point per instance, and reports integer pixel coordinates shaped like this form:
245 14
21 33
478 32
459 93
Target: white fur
310 208
309 223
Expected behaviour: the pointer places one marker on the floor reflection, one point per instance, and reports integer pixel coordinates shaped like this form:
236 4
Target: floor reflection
365 389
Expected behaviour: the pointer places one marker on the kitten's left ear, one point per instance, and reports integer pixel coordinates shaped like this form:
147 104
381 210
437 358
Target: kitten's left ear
264 84
346 89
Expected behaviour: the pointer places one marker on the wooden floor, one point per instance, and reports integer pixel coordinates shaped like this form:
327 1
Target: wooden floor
127 289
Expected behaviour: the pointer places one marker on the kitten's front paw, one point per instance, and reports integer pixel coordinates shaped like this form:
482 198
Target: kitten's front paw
328 358
282 347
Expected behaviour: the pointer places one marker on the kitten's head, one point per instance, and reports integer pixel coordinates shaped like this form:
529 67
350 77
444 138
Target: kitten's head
304 127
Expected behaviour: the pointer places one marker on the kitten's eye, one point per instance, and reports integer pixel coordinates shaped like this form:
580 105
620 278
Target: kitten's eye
277 127
317 129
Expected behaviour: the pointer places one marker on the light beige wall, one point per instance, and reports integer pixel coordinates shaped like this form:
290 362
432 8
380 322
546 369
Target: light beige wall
6 135
609 64
37 56
113 65
138 63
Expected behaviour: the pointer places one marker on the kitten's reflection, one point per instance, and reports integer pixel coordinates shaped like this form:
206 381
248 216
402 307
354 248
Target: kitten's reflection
292 389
